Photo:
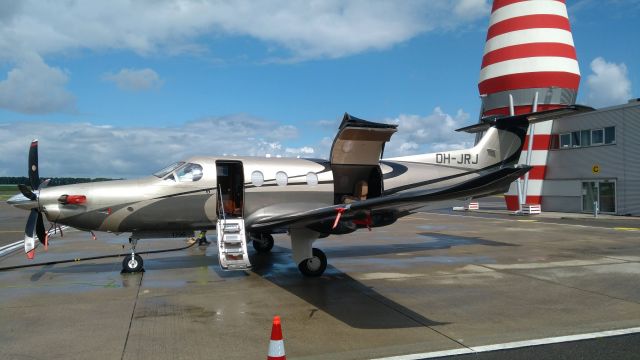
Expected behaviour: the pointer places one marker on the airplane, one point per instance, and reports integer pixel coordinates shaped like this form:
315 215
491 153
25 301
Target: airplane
248 199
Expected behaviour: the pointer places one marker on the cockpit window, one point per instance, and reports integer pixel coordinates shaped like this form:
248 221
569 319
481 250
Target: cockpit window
168 169
189 172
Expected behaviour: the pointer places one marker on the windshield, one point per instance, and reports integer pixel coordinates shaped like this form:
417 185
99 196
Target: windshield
190 172
168 169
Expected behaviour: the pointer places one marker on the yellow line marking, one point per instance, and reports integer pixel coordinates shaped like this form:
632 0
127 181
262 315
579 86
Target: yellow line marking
627 228
528 221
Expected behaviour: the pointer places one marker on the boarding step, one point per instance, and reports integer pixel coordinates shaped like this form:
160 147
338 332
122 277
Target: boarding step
232 244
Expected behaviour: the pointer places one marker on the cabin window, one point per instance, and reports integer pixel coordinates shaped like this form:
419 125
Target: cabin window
312 179
281 178
257 178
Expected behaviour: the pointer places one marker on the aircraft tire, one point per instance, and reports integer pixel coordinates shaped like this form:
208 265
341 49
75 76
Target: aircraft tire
132 265
263 243
314 266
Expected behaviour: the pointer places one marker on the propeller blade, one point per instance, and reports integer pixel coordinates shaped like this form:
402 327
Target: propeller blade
34 177
40 231
29 230
26 192
44 183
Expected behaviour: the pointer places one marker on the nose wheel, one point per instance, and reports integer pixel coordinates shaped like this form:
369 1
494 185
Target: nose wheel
133 262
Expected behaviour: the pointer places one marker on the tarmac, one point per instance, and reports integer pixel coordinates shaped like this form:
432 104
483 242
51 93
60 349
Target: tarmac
436 281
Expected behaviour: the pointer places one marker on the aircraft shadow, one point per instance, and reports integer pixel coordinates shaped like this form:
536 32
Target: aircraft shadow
338 295
433 241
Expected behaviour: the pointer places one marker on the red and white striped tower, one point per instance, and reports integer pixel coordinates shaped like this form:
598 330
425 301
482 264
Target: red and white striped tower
529 64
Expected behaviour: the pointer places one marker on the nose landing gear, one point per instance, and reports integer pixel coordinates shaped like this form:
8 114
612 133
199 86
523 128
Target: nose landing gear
132 263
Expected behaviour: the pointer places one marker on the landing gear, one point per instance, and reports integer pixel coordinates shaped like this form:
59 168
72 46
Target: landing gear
311 261
315 265
263 243
132 263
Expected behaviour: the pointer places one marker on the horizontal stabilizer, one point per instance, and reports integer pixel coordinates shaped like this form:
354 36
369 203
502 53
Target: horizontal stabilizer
488 121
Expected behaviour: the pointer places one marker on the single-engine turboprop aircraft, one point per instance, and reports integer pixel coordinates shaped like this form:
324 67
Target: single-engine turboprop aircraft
249 199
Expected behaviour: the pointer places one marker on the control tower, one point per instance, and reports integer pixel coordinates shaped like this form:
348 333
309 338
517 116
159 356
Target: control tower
529 64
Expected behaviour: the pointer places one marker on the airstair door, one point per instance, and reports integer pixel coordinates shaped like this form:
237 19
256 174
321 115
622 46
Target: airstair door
230 176
232 239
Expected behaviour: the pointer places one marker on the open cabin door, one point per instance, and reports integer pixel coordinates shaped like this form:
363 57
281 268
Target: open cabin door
230 176
355 158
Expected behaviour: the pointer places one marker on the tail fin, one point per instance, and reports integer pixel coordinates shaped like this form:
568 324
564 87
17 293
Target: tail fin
500 144
509 132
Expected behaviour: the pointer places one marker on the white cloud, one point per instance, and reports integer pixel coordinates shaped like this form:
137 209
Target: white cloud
305 150
308 29
88 150
33 87
135 79
83 149
608 84
471 9
289 31
423 134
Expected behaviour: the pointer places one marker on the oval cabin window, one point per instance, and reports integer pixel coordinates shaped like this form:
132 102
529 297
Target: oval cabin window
282 178
312 179
257 178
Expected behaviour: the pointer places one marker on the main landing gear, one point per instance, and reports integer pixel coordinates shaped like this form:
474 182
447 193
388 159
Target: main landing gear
132 263
263 243
315 265
311 262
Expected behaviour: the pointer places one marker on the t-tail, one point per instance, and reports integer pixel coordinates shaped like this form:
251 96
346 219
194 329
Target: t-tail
501 141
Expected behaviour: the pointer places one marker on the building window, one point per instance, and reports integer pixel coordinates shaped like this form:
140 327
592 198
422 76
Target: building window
597 136
575 138
555 141
585 137
610 135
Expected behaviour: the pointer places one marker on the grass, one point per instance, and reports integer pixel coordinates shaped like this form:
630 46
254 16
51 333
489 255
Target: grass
7 191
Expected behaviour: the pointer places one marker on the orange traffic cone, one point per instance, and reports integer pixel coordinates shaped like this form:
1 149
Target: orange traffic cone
276 345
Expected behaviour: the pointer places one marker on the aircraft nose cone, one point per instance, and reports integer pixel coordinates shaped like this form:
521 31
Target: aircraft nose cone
22 202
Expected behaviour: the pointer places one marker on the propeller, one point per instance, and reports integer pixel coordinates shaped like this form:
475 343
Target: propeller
35 223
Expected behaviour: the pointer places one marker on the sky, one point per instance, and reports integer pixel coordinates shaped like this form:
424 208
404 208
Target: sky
121 88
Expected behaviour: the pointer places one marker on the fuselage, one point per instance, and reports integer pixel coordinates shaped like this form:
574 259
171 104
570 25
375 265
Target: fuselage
195 193
270 186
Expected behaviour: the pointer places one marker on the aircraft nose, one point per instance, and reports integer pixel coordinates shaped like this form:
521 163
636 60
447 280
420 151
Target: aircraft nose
22 202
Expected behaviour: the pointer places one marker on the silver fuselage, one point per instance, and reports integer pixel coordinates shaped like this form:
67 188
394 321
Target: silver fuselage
155 204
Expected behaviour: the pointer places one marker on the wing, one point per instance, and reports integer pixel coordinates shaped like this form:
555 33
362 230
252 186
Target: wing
386 209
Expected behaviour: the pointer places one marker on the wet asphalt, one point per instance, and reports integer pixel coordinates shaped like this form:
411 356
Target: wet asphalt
433 281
